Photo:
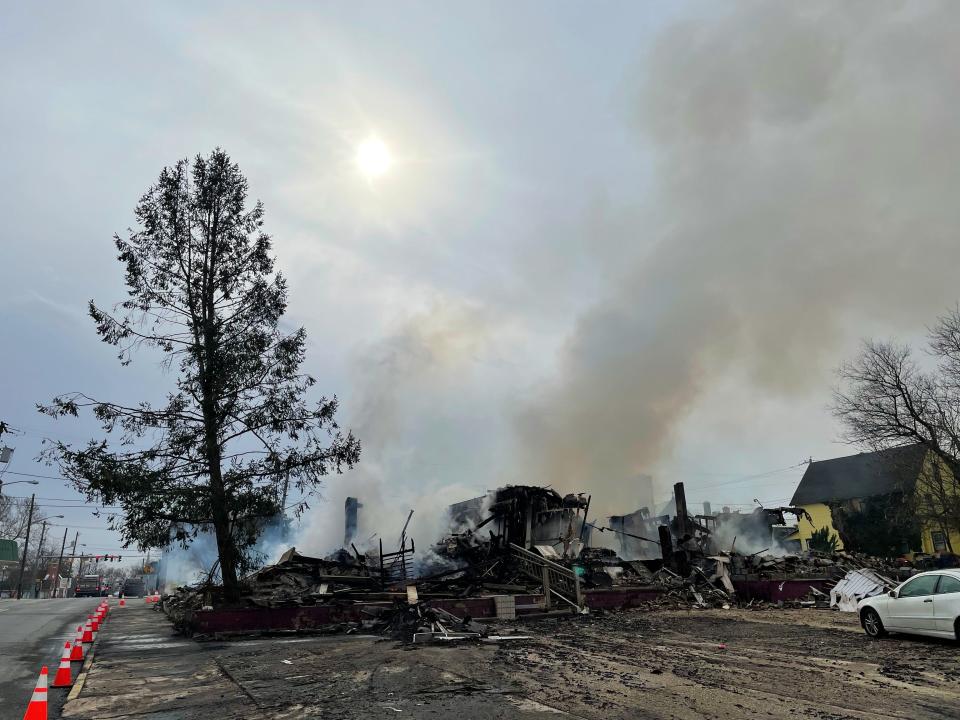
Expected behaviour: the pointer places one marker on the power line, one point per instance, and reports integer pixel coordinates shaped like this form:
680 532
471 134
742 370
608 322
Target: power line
34 475
82 505
757 476
681 471
78 502
47 498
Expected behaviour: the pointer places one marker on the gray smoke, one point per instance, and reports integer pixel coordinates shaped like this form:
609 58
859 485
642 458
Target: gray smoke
805 164
421 390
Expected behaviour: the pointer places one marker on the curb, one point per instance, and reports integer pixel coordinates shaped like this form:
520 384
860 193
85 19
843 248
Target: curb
82 675
77 687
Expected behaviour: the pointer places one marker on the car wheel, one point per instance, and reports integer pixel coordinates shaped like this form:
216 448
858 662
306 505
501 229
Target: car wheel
872 624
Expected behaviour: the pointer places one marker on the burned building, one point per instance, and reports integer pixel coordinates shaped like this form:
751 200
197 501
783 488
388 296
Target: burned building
527 516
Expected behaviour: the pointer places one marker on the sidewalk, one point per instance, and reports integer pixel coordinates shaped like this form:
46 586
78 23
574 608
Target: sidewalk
142 670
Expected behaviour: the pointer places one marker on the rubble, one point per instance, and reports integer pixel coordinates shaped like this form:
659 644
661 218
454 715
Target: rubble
419 622
294 580
534 542
301 580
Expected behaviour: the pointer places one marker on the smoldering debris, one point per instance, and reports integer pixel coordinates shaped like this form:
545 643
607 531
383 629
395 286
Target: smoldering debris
419 622
526 550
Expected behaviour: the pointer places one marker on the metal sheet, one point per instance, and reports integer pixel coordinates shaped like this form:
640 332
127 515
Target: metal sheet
856 585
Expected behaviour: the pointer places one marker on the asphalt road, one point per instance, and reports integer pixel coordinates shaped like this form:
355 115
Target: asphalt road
32 633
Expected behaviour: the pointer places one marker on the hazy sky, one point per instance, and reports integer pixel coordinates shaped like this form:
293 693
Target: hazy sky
617 237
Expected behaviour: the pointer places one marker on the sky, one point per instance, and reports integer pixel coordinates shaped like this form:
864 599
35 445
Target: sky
617 238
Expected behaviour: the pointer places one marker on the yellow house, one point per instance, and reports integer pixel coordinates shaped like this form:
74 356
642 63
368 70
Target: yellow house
856 483
935 484
819 518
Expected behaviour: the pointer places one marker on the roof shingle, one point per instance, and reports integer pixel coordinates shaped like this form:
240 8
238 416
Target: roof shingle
861 475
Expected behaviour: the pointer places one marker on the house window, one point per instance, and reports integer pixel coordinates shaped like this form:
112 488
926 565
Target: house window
939 540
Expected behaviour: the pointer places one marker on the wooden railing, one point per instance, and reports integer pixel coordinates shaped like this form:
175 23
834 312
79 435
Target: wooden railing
395 567
557 580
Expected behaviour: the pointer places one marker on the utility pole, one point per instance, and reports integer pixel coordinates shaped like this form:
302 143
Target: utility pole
60 561
73 556
26 543
43 532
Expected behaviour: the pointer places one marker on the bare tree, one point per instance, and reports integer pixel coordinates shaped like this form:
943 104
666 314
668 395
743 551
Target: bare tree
13 516
887 398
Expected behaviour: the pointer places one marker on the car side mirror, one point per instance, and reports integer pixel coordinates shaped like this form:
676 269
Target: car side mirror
893 593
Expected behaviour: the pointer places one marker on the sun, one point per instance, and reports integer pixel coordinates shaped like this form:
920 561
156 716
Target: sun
373 158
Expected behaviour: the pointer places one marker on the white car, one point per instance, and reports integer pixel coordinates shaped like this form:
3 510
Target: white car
926 604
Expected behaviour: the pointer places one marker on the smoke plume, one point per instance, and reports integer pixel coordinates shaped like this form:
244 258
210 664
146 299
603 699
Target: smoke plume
422 416
805 161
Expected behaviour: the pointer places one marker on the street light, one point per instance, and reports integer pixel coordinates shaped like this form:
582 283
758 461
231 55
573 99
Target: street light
14 482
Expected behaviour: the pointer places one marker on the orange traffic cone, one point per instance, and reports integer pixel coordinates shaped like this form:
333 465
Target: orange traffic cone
123 603
87 633
76 654
37 709
62 678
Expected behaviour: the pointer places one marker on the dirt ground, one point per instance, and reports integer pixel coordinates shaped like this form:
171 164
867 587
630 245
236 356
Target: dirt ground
635 664
734 664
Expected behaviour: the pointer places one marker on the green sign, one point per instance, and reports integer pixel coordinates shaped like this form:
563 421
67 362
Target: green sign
9 551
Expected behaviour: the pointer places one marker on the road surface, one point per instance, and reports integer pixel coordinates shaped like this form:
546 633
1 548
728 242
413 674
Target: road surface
32 633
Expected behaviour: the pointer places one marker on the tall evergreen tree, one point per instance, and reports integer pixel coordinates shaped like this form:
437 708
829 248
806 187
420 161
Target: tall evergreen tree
237 428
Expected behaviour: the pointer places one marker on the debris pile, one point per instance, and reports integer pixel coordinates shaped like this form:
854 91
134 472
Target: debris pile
295 580
602 567
532 541
301 580
419 622
696 590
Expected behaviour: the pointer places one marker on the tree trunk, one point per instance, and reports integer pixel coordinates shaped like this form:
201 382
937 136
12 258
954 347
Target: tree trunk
211 422
221 526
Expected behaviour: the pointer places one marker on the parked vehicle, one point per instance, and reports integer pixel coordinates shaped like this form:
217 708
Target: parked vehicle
89 586
926 604
133 587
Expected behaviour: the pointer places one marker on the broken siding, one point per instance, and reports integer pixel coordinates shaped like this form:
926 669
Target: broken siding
820 517
857 585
